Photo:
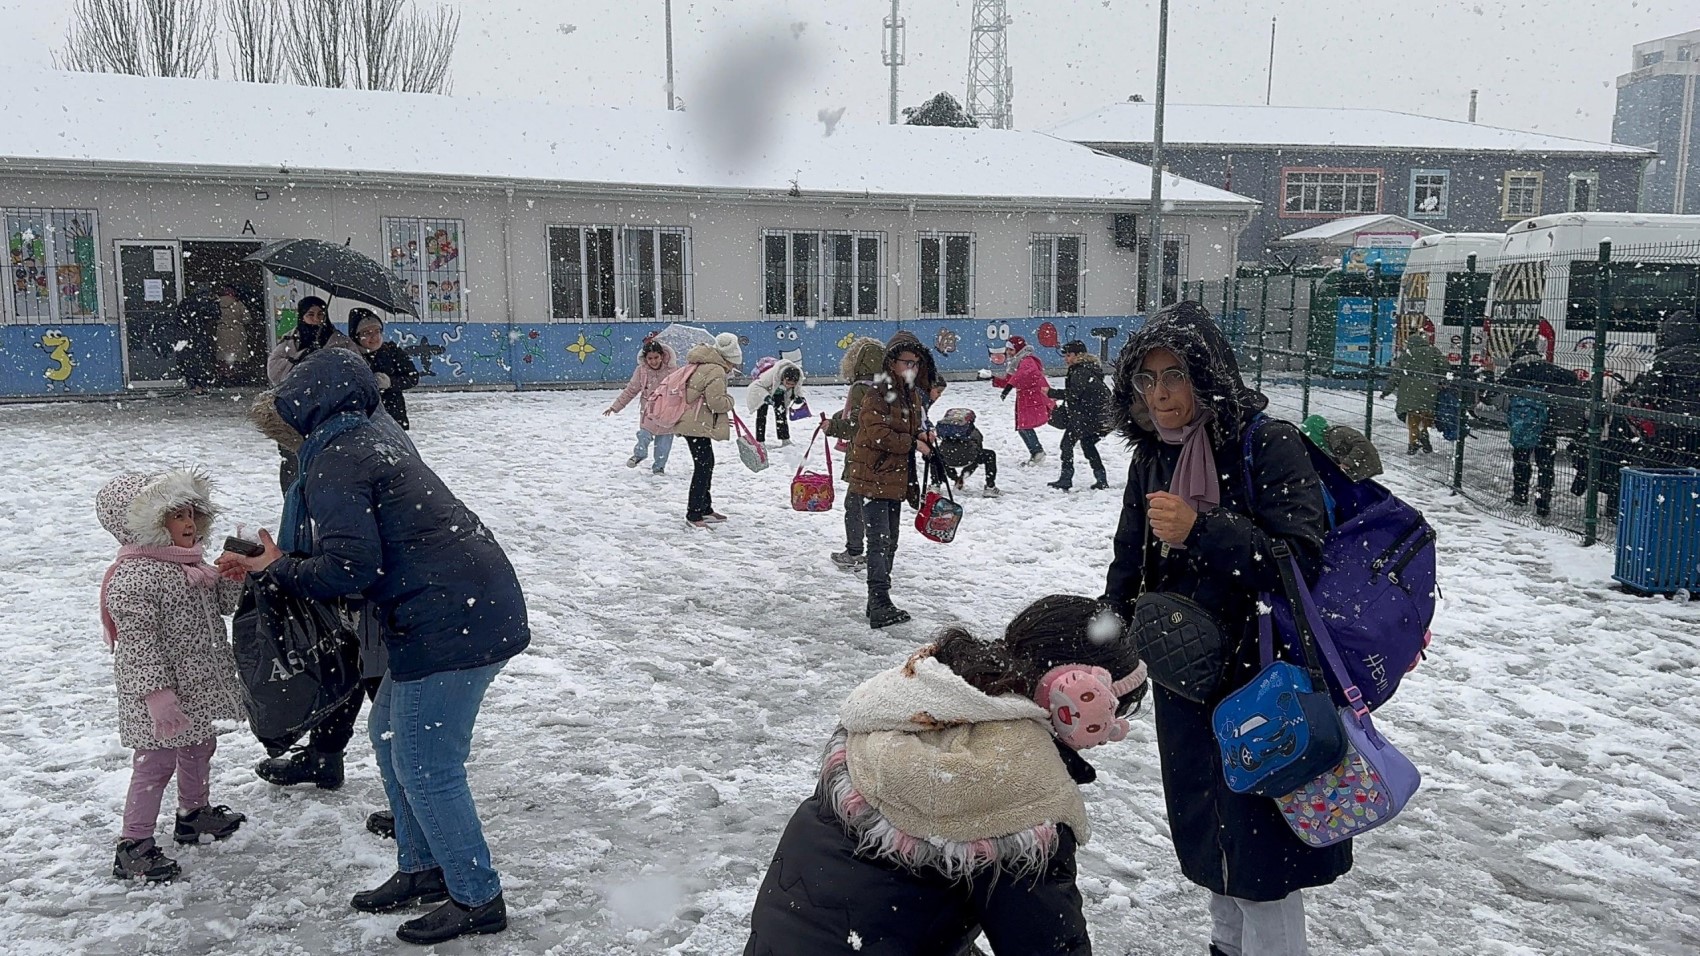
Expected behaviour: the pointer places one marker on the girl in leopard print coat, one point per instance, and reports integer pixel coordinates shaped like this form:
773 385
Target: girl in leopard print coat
162 609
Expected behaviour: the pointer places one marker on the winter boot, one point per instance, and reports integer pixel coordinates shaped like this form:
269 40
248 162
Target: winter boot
1060 485
1065 478
401 890
633 461
452 921
1411 449
882 613
1428 448
206 824
381 824
1100 484
143 860
850 562
1037 459
304 766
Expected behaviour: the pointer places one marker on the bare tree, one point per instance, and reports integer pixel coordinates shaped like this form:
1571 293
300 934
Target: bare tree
428 44
256 42
317 36
140 37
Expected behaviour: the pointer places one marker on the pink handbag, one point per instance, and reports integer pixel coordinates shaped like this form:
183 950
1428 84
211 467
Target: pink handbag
812 490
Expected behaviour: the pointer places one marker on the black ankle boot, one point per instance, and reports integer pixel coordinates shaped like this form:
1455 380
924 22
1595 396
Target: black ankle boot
882 613
303 766
381 824
402 890
452 920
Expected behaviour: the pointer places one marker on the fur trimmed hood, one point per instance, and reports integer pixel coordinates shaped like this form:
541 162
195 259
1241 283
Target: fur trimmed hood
263 414
133 506
1187 330
927 771
862 360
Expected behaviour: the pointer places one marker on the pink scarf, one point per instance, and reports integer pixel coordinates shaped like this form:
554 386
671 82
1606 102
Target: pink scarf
1195 477
196 570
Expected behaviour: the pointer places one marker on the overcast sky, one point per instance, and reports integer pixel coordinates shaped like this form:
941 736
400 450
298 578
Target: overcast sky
1547 65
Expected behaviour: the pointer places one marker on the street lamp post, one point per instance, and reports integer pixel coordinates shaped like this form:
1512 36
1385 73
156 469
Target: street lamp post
1154 246
669 15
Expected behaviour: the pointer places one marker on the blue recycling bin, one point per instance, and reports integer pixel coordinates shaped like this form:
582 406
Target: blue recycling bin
1658 529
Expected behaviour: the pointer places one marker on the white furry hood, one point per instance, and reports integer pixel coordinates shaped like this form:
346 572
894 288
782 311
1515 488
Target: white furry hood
133 506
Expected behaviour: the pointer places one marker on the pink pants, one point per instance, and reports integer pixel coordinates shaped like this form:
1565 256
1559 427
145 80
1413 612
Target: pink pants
151 770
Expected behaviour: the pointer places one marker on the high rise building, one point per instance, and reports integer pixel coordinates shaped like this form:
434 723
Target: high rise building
1658 108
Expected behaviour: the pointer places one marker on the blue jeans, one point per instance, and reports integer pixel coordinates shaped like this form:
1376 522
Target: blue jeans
1030 438
422 732
663 446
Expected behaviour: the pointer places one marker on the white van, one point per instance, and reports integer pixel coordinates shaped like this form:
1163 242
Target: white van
1543 287
1438 292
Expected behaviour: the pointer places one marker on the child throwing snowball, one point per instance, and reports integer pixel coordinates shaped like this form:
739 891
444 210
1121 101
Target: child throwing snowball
162 609
949 802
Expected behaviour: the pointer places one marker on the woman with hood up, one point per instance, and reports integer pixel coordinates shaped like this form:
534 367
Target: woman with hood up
1189 525
861 363
1033 402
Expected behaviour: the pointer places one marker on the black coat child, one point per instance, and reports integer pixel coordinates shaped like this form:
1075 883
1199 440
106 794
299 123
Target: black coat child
1231 844
1086 401
395 365
386 527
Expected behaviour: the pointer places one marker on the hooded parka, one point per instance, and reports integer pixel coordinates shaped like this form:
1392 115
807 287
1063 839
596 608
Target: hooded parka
1233 844
708 405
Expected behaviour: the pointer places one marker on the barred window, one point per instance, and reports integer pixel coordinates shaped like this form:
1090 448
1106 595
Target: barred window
1330 191
52 266
619 273
947 273
1174 269
427 255
834 275
1056 274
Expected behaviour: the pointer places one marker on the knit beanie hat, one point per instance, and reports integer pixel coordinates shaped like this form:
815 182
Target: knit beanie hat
1315 428
1017 343
727 345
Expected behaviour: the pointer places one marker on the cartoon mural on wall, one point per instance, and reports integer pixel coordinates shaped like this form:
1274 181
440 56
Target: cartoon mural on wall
421 350
452 339
58 348
997 339
946 341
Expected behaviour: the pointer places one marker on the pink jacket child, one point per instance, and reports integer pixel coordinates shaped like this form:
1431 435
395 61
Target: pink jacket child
655 362
162 610
1032 403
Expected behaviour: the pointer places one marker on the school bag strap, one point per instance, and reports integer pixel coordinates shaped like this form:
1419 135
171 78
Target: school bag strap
810 450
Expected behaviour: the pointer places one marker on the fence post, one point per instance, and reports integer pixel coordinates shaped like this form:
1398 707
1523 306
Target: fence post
1471 310
1304 390
1374 349
1596 397
1262 326
1224 313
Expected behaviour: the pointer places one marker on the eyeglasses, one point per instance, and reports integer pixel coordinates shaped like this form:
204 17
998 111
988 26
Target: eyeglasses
1172 378
910 363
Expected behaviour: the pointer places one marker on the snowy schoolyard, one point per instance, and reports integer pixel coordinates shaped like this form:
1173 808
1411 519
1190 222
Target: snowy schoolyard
636 766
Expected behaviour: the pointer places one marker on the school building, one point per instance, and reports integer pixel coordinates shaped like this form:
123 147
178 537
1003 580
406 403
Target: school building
543 243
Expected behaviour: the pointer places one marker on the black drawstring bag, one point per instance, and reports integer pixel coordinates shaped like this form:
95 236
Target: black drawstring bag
299 659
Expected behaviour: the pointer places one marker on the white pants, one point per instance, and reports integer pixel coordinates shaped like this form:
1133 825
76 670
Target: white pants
1244 928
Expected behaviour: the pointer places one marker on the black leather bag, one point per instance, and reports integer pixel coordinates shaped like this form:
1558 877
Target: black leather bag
1180 643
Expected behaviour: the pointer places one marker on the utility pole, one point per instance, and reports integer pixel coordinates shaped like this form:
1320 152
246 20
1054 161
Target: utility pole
671 102
1154 254
990 80
893 53
1269 90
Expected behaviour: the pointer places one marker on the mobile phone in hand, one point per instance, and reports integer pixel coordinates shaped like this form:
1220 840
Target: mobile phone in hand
244 547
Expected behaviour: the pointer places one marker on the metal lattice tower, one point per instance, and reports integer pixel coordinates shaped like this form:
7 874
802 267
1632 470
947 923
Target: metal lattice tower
991 84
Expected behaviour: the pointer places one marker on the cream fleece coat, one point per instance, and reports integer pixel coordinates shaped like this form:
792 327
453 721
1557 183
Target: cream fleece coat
947 764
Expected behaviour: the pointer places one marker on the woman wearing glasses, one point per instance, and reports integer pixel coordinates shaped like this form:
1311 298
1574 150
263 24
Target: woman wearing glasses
1189 525
890 429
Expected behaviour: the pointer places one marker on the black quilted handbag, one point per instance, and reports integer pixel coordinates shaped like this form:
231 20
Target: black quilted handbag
1180 643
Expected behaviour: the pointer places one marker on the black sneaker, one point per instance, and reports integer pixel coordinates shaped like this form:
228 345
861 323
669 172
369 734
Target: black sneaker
381 824
452 921
1100 485
402 890
143 860
303 766
207 824
850 562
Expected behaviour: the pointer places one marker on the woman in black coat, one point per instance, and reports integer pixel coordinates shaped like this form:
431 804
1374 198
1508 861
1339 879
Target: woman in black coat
1189 526
394 370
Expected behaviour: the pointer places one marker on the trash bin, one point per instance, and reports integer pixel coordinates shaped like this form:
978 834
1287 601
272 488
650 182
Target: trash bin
1658 530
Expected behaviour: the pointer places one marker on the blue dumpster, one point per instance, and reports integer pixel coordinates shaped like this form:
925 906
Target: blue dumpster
1658 530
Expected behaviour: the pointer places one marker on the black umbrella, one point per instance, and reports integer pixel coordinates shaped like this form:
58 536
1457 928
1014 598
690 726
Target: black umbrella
339 270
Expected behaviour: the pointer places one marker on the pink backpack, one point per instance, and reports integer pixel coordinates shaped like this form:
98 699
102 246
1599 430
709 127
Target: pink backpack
666 406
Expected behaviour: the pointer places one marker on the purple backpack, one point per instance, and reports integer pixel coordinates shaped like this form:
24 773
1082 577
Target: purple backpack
1377 590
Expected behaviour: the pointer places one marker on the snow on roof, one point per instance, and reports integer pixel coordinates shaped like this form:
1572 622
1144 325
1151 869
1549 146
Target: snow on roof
1315 126
56 120
1350 226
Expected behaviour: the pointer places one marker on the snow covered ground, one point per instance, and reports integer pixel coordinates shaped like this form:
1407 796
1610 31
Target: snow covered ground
636 766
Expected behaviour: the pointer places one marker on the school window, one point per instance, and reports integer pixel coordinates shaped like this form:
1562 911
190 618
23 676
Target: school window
833 275
1056 274
1584 192
1326 192
1173 269
51 260
946 273
1430 191
1520 195
619 272
427 255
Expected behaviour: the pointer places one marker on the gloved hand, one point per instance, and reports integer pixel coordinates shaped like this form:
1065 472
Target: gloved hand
383 382
168 718
1006 390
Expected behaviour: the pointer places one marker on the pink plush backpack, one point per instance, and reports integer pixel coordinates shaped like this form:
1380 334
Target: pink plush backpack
666 406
